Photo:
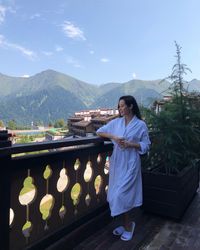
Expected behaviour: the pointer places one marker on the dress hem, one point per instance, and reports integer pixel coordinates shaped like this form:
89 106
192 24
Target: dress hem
137 205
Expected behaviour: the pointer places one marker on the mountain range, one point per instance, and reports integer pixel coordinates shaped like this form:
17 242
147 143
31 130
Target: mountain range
50 95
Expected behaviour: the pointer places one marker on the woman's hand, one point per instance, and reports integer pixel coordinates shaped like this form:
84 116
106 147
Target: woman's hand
125 144
120 141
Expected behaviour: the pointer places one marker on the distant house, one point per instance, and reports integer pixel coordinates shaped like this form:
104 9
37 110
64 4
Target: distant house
158 104
99 121
51 137
81 128
36 127
86 122
73 120
194 98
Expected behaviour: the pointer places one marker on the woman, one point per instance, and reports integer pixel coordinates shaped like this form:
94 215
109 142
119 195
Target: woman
129 135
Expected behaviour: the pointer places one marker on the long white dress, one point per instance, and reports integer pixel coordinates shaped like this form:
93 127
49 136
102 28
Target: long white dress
125 181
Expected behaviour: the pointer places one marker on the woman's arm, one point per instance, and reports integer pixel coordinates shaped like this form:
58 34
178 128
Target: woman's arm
128 144
143 145
117 139
106 135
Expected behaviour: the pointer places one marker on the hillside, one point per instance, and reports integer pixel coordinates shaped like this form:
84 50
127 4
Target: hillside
144 91
19 86
50 95
45 105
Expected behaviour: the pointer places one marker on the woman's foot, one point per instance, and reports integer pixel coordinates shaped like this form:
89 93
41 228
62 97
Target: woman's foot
118 230
127 235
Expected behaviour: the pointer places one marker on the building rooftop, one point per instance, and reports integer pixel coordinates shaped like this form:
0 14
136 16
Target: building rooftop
76 118
104 118
82 123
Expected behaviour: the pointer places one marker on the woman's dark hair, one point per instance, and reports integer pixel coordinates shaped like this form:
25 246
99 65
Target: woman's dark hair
129 99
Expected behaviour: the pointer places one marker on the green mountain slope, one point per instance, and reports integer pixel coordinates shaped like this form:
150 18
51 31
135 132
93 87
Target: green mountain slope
10 85
26 86
45 105
144 92
50 95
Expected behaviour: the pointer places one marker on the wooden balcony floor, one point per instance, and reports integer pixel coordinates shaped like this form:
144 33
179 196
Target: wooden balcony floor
152 232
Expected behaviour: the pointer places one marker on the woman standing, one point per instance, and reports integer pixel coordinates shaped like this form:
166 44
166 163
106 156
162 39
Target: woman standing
129 135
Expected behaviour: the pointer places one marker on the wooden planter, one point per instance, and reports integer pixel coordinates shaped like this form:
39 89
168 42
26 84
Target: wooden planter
169 195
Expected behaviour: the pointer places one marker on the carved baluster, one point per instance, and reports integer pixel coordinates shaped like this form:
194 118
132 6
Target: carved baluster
47 202
62 185
26 197
88 174
76 190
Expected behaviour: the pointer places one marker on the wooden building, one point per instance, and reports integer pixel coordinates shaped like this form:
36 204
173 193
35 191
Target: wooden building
86 122
102 120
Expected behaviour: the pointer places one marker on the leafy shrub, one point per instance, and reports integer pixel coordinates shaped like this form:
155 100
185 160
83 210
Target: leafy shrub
175 131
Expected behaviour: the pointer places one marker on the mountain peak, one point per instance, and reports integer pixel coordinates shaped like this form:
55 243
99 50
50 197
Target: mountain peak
50 95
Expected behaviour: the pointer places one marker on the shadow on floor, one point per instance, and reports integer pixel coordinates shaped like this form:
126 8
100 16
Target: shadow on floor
151 233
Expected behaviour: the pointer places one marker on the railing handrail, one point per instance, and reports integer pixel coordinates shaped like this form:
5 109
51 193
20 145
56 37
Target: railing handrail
31 147
71 156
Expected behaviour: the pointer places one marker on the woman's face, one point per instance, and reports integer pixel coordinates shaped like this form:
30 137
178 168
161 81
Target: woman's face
123 108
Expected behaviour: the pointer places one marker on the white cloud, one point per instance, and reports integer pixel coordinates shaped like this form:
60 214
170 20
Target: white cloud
12 9
134 75
74 62
36 15
47 53
27 52
77 66
73 31
91 52
25 76
59 48
2 13
1 40
104 60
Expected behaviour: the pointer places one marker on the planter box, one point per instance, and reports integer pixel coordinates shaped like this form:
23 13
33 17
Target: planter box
169 195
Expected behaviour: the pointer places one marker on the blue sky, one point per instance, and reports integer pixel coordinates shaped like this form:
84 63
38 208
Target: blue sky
99 41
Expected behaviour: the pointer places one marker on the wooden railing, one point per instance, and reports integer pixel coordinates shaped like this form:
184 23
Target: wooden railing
47 194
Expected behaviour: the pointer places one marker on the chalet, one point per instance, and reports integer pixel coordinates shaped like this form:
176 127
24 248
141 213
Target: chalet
158 104
73 120
102 120
81 128
86 122
193 98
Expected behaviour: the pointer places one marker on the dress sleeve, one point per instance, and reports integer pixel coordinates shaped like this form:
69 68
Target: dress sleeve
108 128
144 141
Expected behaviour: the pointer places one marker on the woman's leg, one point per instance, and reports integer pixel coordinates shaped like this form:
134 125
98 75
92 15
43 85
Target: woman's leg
127 221
129 227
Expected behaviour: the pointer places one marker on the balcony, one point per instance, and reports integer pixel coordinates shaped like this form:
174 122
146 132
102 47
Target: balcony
53 196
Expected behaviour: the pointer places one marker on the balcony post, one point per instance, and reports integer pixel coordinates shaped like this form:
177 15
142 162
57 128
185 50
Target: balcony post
5 168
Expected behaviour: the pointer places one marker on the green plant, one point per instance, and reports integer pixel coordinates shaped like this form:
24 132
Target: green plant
1 124
175 131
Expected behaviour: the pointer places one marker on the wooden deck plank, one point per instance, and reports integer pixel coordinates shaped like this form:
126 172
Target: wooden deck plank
151 232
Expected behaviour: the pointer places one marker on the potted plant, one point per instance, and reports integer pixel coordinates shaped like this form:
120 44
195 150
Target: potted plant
170 171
